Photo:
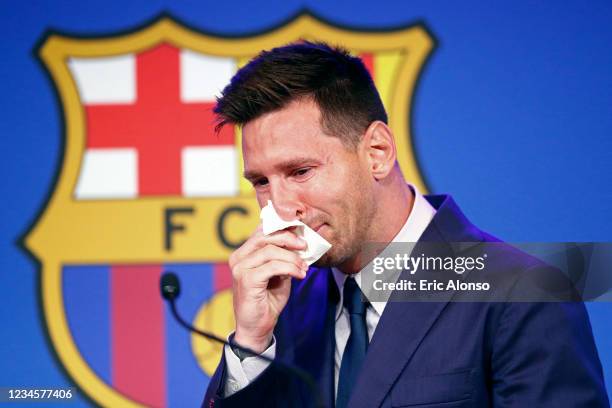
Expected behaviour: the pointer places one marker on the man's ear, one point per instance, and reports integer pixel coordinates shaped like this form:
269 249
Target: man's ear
379 147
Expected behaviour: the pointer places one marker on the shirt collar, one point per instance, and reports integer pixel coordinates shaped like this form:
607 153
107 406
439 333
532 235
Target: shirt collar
419 218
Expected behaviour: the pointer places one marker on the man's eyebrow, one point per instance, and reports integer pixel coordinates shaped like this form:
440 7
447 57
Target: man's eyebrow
282 166
251 175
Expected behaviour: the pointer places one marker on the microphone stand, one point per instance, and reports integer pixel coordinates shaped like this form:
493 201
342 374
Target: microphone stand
170 294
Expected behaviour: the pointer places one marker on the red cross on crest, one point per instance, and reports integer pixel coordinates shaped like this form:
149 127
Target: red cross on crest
157 132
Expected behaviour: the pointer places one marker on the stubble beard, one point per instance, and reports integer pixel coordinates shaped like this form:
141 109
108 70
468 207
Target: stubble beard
345 250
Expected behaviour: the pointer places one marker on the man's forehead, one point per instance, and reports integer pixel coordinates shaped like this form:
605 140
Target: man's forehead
276 148
301 113
294 127
286 138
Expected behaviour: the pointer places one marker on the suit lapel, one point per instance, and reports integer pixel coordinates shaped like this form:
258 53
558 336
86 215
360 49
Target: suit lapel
312 335
326 378
403 324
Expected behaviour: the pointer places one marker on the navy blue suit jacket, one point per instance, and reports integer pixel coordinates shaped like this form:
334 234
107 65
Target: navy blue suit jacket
437 354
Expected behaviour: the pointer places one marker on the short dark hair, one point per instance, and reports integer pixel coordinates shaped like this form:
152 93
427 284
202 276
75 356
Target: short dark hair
338 83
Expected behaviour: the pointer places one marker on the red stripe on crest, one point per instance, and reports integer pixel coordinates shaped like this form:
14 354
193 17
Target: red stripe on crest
137 334
368 61
222 277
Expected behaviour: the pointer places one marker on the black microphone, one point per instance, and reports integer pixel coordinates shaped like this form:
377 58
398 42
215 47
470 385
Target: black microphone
170 291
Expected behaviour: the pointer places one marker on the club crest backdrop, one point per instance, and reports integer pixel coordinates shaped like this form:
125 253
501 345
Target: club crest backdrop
112 173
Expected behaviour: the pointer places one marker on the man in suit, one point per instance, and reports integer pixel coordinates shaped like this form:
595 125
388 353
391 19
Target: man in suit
316 143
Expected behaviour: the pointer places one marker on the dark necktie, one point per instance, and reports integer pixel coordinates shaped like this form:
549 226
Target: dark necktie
357 344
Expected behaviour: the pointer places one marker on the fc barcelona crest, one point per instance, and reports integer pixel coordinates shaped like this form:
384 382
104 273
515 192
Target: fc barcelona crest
146 186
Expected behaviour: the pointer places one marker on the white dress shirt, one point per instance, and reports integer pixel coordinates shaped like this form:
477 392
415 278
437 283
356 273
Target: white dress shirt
242 373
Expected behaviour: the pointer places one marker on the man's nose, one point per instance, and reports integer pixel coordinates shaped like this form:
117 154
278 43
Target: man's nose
287 203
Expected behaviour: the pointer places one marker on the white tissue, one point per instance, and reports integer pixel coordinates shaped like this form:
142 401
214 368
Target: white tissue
316 244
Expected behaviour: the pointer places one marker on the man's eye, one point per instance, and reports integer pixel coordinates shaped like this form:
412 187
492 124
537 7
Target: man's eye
301 172
260 182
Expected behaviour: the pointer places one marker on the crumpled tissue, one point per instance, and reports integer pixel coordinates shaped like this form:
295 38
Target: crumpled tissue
317 245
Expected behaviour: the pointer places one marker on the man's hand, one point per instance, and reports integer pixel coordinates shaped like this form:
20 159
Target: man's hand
261 270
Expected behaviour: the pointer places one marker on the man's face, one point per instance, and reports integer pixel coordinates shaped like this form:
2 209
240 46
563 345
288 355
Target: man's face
310 176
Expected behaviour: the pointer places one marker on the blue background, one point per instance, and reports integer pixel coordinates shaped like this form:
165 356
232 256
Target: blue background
512 115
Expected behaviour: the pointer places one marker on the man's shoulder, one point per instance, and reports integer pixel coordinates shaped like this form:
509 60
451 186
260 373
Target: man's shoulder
507 265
